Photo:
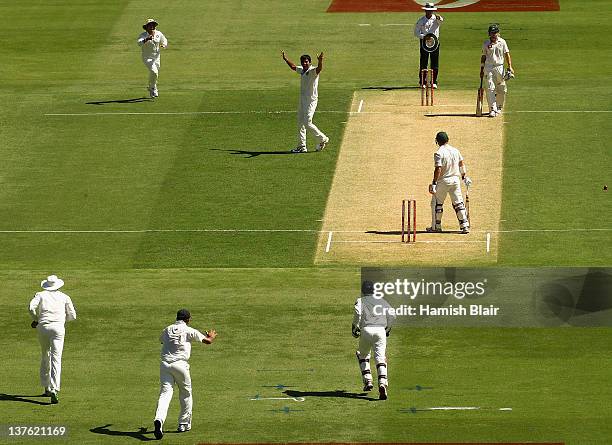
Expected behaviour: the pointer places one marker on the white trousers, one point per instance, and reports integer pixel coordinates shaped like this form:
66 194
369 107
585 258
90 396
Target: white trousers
496 87
51 338
373 338
153 67
306 111
452 187
169 374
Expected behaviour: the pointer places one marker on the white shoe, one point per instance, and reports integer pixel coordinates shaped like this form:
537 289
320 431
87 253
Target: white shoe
492 113
435 86
299 150
499 111
465 230
322 144
183 428
434 229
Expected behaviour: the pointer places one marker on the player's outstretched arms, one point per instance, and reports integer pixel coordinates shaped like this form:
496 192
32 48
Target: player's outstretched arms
287 61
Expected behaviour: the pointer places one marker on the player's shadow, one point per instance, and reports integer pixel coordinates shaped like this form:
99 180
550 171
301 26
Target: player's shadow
255 153
398 232
134 100
391 88
142 434
22 399
453 115
339 393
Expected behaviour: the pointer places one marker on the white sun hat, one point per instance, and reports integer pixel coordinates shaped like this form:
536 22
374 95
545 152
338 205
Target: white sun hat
148 22
52 283
429 7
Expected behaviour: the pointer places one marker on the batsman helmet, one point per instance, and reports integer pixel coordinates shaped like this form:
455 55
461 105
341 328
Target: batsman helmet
494 28
367 288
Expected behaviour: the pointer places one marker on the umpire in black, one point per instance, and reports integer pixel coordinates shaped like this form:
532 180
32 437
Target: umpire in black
429 24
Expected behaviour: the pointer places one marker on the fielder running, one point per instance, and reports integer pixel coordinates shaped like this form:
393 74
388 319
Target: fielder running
150 42
372 322
50 309
494 52
448 167
309 96
176 342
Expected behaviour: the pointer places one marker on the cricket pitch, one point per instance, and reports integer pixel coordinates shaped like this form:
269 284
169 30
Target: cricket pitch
387 155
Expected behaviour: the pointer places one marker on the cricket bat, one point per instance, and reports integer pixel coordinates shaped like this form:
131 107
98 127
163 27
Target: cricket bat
479 98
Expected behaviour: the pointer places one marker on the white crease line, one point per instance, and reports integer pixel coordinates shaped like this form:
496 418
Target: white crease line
360 106
488 242
398 241
295 399
329 240
364 24
395 24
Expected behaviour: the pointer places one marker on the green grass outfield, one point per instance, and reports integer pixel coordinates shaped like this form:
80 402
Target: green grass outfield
141 173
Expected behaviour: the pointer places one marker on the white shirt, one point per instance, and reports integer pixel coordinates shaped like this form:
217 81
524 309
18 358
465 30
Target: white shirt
52 307
494 52
369 312
176 341
309 84
150 48
426 26
448 158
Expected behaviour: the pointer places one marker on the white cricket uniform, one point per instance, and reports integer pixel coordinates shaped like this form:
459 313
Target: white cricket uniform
449 182
494 72
373 323
176 342
309 96
51 309
151 54
426 26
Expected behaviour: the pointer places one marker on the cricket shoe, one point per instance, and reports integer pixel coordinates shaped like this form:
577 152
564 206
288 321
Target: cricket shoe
465 230
368 386
382 392
322 144
493 113
433 229
435 86
47 393
299 150
183 428
54 398
158 433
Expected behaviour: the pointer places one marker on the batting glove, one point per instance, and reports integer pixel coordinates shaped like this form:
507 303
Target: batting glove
467 181
356 331
432 189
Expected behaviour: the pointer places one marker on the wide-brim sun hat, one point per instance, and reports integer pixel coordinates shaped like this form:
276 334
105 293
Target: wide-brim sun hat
52 283
148 22
429 7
